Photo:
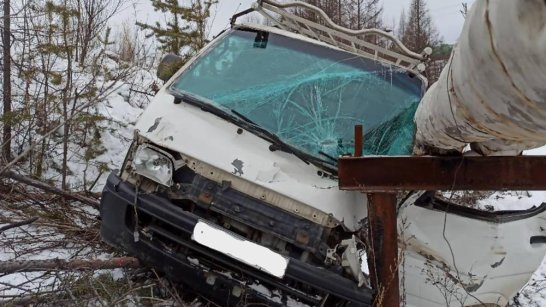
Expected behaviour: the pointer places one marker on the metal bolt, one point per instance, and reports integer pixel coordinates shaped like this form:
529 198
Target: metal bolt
211 280
237 291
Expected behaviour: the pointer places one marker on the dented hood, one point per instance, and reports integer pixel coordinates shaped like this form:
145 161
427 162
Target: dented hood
216 143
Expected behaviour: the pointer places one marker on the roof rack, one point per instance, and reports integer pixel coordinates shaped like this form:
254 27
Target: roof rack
331 33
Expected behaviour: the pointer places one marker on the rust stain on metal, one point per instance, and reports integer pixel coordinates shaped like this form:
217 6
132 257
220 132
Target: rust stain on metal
302 237
383 236
205 198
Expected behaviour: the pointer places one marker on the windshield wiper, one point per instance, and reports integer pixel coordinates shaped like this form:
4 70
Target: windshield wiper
327 156
246 119
207 107
243 121
278 144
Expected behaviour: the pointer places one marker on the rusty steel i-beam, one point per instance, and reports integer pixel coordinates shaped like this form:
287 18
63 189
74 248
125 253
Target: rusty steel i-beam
382 177
383 258
376 174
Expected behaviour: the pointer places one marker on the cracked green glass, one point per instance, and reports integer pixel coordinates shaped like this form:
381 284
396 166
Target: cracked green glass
310 95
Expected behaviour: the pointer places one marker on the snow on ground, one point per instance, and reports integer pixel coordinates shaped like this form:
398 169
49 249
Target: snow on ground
8 252
37 242
117 132
121 109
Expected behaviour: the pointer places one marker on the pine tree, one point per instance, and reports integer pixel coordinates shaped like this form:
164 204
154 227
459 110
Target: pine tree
185 31
419 31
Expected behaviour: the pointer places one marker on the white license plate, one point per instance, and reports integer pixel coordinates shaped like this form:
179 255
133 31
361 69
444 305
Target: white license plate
240 249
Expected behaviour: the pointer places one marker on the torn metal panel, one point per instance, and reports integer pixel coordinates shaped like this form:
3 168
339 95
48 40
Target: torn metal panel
492 93
154 126
454 258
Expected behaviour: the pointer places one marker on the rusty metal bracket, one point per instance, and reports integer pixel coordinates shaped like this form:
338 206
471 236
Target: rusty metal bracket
383 252
376 174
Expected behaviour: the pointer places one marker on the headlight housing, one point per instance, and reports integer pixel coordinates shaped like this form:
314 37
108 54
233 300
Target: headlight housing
155 164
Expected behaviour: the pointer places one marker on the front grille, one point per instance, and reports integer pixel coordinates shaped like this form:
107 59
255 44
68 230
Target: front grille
180 244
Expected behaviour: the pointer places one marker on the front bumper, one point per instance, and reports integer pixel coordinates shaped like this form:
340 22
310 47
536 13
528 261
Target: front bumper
169 223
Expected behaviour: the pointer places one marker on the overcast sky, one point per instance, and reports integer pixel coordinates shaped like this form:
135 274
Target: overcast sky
445 14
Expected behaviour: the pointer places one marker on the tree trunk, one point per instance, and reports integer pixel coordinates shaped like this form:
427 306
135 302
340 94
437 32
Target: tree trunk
66 99
359 15
18 224
6 149
49 188
339 12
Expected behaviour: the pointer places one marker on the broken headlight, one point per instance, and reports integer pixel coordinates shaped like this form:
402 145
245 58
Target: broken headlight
154 164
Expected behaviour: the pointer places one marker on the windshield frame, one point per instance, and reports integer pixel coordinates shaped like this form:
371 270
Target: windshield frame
326 163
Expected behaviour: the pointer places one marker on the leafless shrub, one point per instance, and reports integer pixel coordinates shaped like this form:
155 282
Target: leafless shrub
126 44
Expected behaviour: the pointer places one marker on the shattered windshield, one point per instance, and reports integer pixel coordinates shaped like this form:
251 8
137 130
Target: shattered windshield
310 96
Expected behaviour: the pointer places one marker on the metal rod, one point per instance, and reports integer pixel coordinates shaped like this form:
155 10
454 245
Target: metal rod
383 258
358 141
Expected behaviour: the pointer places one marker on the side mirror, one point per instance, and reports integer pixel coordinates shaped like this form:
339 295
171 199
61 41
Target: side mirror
168 66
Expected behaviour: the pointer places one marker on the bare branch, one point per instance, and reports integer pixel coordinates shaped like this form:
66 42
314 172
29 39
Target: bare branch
49 188
18 224
10 267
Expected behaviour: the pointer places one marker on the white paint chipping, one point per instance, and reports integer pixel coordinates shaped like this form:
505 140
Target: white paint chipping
247 252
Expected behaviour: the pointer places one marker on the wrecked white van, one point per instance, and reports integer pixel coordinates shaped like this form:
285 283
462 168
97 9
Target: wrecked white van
230 184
